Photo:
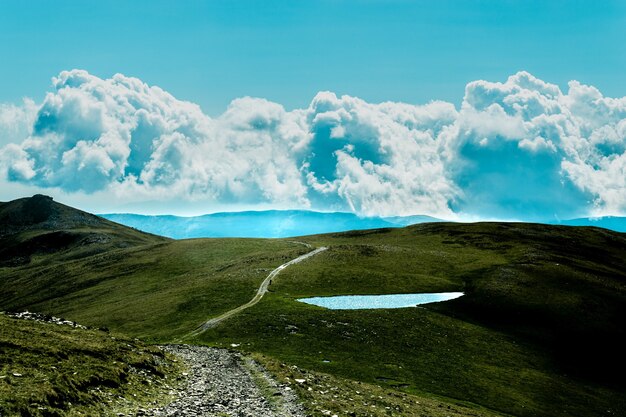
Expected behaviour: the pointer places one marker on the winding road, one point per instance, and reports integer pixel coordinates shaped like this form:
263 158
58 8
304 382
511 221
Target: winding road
259 294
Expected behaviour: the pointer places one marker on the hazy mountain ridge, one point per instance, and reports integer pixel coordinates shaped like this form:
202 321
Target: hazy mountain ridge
289 223
615 223
262 224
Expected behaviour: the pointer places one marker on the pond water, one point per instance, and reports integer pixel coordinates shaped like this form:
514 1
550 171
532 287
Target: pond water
361 302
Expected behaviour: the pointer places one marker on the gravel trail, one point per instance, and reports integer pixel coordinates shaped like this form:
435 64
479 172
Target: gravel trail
257 297
223 383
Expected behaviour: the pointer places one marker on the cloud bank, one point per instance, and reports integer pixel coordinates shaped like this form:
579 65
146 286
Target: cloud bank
518 149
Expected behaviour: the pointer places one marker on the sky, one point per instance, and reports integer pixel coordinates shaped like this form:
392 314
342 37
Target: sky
458 109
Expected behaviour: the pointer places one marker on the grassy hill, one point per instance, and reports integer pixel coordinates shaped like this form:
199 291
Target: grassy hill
539 331
114 276
39 229
48 369
157 292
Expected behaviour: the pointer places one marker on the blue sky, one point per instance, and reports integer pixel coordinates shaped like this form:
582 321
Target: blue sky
457 109
211 52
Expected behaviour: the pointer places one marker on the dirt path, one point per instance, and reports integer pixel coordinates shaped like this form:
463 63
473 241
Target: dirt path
220 383
259 294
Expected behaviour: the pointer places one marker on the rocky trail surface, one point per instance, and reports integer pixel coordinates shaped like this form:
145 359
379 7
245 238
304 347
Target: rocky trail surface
223 383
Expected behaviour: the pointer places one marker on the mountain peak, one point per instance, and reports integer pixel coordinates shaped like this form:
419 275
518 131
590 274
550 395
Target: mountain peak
38 224
43 213
38 208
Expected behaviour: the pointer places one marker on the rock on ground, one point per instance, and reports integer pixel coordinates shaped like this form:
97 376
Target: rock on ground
219 382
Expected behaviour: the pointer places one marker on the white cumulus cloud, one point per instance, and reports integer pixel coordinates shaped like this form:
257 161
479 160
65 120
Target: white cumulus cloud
522 148
16 121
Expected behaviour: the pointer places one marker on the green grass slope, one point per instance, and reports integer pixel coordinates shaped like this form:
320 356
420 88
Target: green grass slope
157 292
323 394
59 260
57 370
38 229
540 330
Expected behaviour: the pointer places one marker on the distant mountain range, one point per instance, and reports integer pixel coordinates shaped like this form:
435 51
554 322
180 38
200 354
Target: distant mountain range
288 223
617 224
263 224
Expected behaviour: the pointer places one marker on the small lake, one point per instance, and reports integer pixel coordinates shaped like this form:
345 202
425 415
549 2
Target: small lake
362 302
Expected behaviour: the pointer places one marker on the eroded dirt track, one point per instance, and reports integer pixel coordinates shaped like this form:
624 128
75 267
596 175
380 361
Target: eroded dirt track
257 297
220 382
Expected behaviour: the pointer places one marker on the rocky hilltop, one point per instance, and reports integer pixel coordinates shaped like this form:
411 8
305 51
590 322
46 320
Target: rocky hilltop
40 225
